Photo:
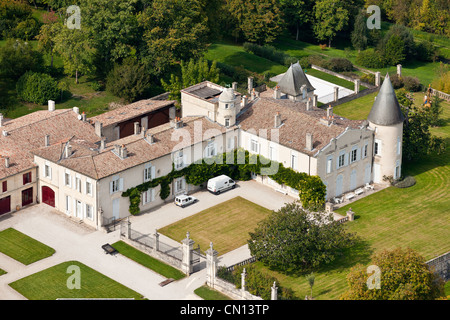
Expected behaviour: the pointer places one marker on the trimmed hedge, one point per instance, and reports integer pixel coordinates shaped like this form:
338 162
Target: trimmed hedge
269 53
311 188
406 182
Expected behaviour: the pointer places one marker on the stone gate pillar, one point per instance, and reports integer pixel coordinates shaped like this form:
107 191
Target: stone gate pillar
357 85
274 292
156 240
188 245
336 93
378 79
211 265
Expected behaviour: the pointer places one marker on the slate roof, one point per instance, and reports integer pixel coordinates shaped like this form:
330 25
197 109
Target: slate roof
386 109
293 80
296 122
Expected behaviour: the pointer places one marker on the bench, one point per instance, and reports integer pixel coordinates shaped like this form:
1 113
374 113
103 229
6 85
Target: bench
359 191
368 186
109 249
166 282
350 196
281 191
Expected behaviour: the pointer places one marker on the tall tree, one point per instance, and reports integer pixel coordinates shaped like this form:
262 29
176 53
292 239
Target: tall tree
18 57
291 239
296 13
113 29
359 35
174 30
257 21
404 276
331 17
75 48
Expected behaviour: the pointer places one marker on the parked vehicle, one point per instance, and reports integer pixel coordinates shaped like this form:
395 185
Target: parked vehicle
184 200
221 183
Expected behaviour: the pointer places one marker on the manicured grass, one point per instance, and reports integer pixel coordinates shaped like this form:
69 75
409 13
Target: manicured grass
206 293
235 55
330 78
51 284
147 261
447 288
227 225
2 272
415 217
357 109
23 248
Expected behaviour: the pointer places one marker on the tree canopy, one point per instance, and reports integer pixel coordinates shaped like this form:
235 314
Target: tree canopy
404 275
292 239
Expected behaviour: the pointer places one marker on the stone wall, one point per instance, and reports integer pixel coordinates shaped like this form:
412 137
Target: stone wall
338 75
441 95
441 265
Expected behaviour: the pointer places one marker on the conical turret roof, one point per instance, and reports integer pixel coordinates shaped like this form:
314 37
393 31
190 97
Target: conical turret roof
386 109
293 80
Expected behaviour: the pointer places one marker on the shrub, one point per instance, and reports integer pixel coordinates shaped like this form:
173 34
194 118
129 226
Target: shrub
37 87
396 81
426 51
270 53
370 59
318 61
406 182
340 65
411 84
369 78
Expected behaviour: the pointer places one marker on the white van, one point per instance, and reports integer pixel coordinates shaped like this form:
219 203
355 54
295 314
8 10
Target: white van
221 183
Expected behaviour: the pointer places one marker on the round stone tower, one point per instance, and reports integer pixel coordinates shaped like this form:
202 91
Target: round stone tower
226 113
386 119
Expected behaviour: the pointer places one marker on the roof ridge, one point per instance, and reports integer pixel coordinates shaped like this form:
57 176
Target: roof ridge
38 121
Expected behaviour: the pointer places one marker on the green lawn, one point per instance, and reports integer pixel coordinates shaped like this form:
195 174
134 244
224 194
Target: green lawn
206 293
330 78
23 248
2 272
148 261
227 225
235 55
415 217
51 284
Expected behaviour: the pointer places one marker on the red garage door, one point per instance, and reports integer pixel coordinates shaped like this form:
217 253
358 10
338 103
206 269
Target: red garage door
5 205
48 196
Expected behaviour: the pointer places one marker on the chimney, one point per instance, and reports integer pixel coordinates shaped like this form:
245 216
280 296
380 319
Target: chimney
5 133
83 116
150 138
329 112
309 142
68 150
136 128
250 84
276 93
51 105
308 105
123 152
1 119
76 110
234 85
98 128
102 144
244 101
277 122
253 94
47 140
7 162
177 123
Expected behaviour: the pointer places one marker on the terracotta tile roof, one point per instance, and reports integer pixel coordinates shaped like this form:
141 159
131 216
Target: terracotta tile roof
130 111
296 122
98 164
27 133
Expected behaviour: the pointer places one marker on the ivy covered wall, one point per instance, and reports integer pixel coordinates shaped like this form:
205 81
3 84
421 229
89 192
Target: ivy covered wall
311 189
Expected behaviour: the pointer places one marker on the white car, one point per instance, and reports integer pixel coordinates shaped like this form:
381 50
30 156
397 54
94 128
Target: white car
184 200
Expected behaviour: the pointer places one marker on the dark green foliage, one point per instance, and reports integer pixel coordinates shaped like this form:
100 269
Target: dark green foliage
407 182
18 57
311 188
394 51
270 53
37 88
340 65
128 80
411 83
426 51
359 35
370 59
295 240
12 13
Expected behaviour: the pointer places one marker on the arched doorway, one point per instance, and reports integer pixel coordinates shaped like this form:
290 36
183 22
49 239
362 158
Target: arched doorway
48 196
